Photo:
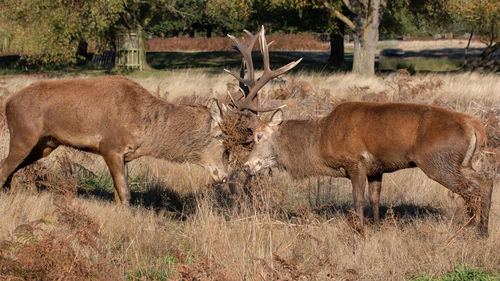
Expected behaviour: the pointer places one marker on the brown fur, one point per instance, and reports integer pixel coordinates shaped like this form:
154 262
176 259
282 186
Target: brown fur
364 140
111 116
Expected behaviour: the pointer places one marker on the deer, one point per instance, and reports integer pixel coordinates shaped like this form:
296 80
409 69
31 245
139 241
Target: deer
364 140
114 117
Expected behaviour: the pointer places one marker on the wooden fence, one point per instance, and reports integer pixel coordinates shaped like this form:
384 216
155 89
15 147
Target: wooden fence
131 50
6 45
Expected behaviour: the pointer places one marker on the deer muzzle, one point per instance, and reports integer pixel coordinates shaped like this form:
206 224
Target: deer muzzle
252 167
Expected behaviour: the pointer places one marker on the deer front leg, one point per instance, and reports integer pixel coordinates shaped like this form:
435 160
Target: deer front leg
116 165
357 174
374 187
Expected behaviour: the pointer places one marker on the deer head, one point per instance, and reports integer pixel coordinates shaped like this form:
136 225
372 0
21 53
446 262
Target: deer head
265 152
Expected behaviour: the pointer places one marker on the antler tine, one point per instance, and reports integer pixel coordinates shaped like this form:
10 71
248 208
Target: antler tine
246 51
264 49
255 85
268 73
264 109
237 76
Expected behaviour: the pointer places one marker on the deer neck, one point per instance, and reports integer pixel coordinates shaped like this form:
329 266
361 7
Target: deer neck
178 133
298 148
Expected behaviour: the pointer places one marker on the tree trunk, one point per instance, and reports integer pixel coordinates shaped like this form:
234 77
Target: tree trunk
364 25
486 61
365 46
81 51
209 31
337 45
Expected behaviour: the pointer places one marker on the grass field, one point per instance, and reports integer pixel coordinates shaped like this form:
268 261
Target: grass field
181 227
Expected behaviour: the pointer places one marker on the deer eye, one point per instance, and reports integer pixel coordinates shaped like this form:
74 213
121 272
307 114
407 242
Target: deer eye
258 137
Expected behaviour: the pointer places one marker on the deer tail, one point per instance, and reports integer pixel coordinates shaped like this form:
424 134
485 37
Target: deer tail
477 138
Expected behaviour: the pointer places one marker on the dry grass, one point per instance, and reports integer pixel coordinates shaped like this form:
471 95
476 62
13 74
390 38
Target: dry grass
280 229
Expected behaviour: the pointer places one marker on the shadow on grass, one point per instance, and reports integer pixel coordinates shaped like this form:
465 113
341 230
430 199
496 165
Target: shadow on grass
160 197
211 62
403 212
450 53
216 61
435 60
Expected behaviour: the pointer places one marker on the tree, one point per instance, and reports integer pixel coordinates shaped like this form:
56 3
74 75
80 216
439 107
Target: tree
366 15
51 31
293 16
481 16
55 31
203 15
229 15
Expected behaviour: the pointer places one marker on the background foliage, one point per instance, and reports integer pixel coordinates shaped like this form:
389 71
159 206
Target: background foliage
46 31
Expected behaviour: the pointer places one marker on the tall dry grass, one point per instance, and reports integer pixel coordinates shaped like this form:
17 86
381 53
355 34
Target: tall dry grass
281 229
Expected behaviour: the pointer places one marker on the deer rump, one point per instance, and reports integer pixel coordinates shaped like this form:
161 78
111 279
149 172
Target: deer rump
363 140
111 116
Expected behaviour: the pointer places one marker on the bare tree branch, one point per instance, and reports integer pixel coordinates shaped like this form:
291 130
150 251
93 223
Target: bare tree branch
341 16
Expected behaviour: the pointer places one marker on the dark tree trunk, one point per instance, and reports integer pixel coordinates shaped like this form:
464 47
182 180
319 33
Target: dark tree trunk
81 52
337 45
209 31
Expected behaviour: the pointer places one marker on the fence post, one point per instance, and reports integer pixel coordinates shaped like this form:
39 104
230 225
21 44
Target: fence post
131 50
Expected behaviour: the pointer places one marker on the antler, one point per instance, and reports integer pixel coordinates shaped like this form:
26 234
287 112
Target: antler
250 87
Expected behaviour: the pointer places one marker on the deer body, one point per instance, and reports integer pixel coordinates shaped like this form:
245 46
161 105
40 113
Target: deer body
363 140
113 117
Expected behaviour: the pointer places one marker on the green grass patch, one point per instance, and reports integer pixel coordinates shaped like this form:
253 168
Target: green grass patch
461 274
104 182
96 182
160 268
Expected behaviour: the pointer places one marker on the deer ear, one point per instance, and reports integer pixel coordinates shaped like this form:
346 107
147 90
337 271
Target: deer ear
215 112
276 118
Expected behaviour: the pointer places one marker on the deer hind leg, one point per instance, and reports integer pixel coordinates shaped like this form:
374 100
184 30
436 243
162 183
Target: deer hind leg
116 165
479 203
464 181
23 152
357 174
374 187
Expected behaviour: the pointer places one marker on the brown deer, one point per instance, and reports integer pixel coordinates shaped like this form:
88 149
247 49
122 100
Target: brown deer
364 140
361 140
114 117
